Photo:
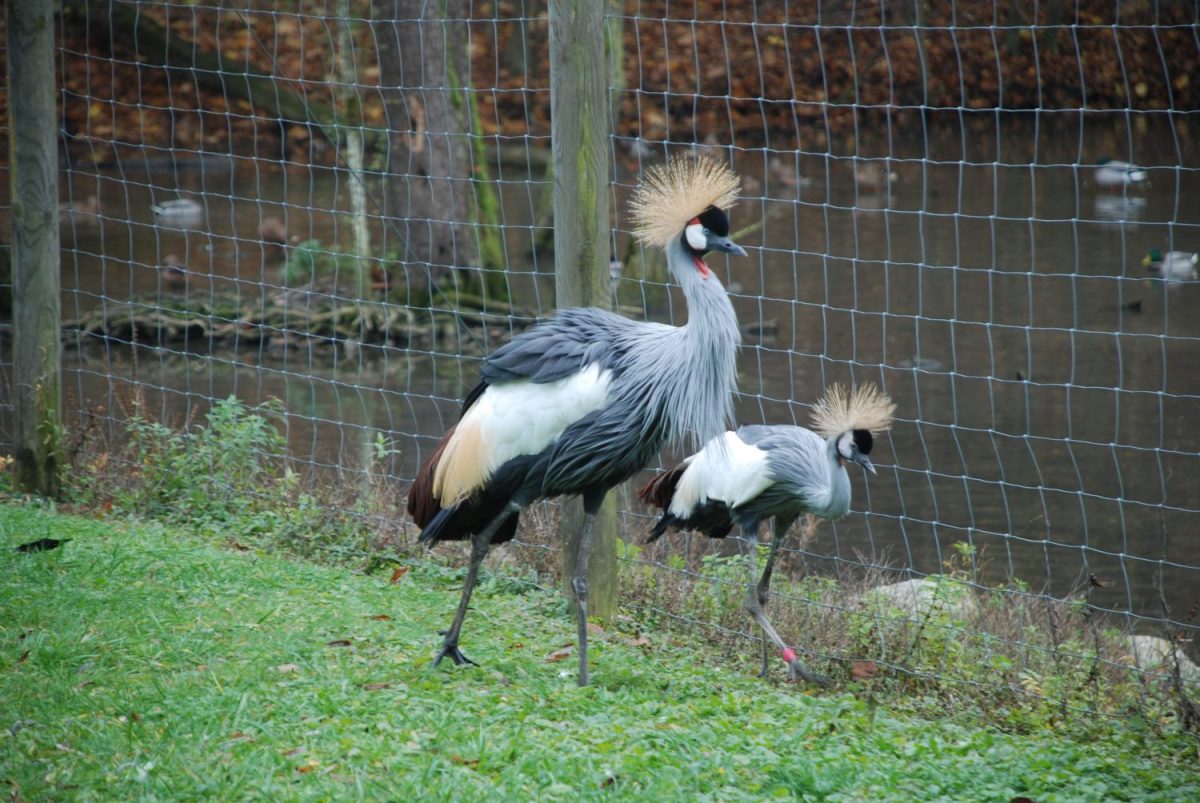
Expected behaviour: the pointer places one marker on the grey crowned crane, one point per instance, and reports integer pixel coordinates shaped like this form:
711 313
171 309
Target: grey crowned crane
583 401
772 472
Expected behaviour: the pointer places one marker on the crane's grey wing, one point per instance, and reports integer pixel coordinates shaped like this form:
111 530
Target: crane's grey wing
561 346
754 434
796 459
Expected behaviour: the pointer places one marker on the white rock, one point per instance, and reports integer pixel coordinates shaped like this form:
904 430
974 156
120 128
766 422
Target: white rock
1153 654
918 595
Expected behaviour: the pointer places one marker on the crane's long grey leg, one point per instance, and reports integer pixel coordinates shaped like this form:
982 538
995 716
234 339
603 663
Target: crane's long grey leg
480 543
778 533
579 584
754 608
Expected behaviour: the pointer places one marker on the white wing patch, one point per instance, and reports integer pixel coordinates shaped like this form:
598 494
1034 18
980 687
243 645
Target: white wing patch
510 420
727 469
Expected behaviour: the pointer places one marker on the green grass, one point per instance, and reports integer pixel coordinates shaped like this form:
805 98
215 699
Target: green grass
139 661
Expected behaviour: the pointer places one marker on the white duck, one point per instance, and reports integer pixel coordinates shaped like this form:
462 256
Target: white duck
1112 174
178 212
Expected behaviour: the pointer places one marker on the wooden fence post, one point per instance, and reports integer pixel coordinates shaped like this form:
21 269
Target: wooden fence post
33 171
579 119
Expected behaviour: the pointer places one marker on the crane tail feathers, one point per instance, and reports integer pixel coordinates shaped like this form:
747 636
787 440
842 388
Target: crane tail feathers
460 522
432 532
660 528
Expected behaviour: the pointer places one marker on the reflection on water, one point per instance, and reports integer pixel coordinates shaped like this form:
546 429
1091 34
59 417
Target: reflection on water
1120 210
1044 382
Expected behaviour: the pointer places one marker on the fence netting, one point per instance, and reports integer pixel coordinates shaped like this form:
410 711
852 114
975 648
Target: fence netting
345 205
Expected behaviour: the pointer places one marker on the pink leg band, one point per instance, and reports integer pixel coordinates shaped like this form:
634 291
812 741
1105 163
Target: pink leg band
789 654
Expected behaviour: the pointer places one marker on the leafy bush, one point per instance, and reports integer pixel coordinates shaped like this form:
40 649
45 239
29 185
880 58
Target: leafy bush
228 476
311 260
213 473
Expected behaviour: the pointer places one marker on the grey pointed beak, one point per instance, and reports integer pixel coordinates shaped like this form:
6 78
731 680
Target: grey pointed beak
727 245
863 461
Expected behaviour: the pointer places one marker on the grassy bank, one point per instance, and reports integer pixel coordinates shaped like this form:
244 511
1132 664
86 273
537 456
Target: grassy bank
142 661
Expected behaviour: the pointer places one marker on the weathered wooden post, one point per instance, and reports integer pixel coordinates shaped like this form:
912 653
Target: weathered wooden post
579 119
32 167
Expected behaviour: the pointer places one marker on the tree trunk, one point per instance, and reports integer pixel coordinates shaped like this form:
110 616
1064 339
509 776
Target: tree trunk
423 48
33 190
580 123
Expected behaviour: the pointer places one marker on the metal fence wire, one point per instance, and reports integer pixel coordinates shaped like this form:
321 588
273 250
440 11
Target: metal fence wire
344 205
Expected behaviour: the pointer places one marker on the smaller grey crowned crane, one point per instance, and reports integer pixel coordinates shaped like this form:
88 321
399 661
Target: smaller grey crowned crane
585 400
757 473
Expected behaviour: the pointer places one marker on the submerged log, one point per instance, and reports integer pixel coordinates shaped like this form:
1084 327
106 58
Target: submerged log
302 314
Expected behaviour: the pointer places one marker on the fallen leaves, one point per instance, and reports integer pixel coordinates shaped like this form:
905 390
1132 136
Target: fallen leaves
561 654
864 670
399 572
339 642
765 58
287 669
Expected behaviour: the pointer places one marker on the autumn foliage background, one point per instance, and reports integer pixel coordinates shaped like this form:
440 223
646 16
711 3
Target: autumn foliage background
795 75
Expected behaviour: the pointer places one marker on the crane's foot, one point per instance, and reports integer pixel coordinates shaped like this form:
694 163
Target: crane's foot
799 671
451 651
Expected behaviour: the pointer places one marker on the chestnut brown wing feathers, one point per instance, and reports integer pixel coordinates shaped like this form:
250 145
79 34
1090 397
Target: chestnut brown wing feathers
422 505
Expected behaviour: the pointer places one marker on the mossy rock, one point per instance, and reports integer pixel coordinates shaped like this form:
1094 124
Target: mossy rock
919 596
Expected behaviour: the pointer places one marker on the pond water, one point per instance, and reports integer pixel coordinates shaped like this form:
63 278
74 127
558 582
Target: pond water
1044 382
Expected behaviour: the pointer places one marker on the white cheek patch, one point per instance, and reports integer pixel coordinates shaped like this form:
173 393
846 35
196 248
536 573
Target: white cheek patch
695 237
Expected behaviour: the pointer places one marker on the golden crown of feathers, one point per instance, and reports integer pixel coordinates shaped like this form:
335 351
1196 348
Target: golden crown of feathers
864 407
670 195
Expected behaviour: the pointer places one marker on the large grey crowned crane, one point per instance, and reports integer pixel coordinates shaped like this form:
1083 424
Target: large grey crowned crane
773 472
583 401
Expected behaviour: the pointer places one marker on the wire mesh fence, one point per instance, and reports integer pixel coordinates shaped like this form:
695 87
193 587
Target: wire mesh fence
345 206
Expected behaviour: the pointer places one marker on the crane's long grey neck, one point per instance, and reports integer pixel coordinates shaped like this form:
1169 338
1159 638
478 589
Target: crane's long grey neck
702 371
839 481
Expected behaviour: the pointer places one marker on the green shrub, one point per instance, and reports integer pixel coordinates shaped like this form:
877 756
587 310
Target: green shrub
312 260
213 473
